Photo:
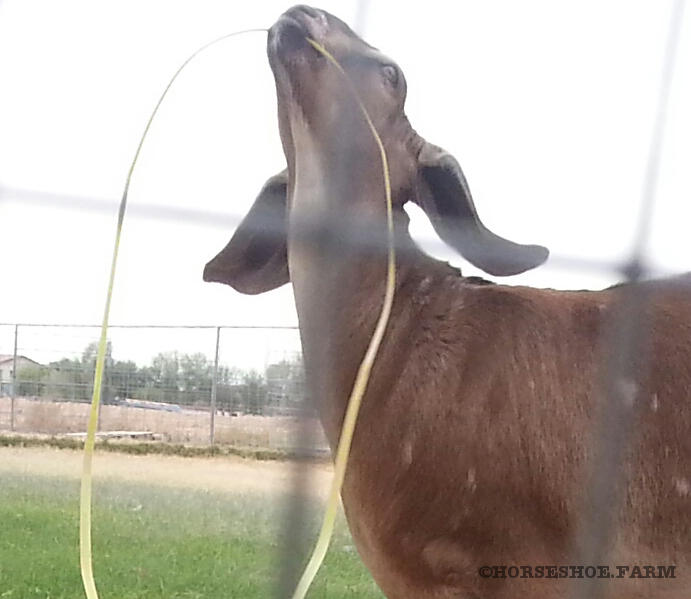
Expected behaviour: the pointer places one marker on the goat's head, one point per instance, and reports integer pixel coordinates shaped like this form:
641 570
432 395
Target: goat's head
334 170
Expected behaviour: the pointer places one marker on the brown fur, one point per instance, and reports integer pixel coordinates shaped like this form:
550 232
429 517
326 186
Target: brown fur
473 442
475 436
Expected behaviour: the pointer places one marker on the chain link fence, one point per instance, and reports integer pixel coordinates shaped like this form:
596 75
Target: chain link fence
244 386
241 386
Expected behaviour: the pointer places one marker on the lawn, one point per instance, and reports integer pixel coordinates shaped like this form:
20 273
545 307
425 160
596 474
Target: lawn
157 542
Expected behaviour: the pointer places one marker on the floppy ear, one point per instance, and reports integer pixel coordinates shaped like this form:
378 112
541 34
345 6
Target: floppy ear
255 259
445 197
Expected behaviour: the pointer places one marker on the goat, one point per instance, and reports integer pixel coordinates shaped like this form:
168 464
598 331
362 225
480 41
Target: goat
472 445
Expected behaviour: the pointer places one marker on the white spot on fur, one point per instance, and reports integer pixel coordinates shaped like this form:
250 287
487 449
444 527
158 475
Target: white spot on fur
407 453
470 479
682 487
654 403
423 289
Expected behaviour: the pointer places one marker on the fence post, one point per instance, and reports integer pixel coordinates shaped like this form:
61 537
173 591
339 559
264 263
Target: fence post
214 387
13 392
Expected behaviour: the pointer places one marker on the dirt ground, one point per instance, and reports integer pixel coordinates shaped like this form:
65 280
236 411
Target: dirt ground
225 474
186 426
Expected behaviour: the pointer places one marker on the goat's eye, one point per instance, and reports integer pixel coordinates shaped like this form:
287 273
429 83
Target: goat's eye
390 73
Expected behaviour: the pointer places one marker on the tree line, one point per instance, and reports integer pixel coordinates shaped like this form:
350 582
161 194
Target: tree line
171 377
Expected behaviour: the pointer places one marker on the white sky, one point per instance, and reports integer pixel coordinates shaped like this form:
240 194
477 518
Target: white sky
548 106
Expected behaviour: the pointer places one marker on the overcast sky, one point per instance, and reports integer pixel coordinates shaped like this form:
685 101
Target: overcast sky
548 105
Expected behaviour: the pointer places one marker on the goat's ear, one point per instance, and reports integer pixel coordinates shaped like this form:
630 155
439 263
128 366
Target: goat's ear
444 195
255 259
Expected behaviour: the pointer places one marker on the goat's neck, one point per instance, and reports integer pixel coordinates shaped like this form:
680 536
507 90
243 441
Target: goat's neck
338 305
339 290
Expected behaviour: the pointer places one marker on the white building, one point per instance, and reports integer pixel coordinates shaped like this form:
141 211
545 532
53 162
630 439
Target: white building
6 370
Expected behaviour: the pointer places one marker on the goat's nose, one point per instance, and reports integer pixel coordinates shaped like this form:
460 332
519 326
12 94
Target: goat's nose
308 10
307 15
288 35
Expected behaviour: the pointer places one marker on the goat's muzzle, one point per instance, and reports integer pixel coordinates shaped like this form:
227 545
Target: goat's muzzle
287 37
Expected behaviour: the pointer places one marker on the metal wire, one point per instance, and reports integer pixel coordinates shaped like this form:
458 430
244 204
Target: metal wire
627 335
360 232
626 338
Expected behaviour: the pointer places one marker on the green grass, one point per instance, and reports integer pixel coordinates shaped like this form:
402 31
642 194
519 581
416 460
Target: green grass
151 542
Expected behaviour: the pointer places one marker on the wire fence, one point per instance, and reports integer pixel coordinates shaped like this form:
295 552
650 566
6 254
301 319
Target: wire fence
210 394
235 385
626 337
227 221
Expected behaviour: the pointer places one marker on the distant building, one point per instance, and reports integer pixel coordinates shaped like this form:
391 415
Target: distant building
6 370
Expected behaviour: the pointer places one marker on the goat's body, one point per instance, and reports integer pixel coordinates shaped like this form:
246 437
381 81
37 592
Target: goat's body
476 436
467 453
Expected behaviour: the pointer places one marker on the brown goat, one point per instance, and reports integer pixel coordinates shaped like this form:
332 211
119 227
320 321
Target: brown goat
473 444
